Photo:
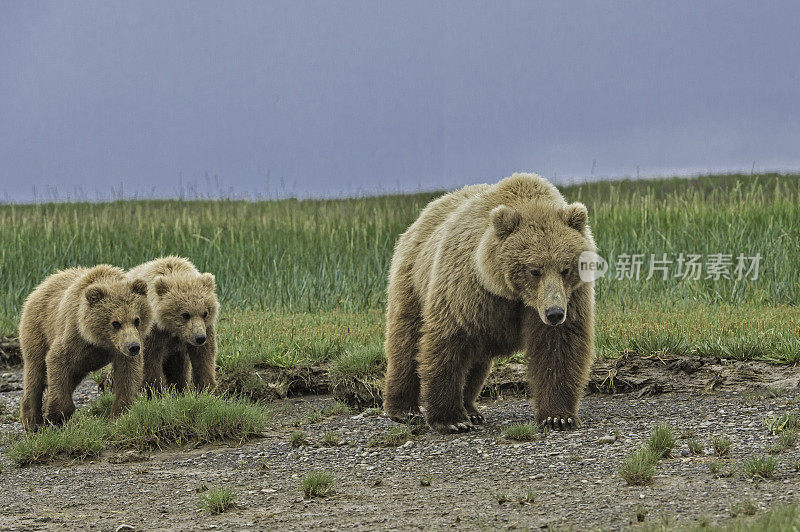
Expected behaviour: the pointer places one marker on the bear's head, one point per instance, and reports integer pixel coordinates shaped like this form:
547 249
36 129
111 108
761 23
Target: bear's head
116 315
535 250
186 305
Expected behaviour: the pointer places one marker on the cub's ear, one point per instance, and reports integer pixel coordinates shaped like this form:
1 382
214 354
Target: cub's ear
207 279
138 286
576 216
95 294
160 286
505 220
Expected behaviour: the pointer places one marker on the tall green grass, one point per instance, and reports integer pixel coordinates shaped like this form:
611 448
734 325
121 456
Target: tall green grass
298 278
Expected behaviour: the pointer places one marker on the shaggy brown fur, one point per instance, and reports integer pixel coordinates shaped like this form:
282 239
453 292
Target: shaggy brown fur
77 321
483 272
185 306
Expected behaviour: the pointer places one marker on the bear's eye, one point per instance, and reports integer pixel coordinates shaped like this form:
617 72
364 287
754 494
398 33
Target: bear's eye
536 272
565 272
116 324
205 314
185 315
135 322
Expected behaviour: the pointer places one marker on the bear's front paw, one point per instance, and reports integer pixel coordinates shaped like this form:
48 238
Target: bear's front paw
559 421
455 427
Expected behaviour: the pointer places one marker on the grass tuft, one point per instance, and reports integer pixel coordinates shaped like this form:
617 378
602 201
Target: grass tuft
522 432
638 469
317 484
721 445
218 500
298 438
721 469
786 440
157 423
395 437
695 447
81 437
789 421
661 441
330 439
760 467
192 418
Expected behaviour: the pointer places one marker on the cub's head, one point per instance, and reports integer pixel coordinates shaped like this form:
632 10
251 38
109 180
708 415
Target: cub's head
536 250
116 315
186 305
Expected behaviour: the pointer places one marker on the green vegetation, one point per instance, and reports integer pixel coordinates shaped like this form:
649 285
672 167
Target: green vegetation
317 484
695 447
760 467
298 438
786 422
157 423
638 469
522 432
331 439
661 441
303 282
82 437
218 500
721 445
786 440
721 469
395 437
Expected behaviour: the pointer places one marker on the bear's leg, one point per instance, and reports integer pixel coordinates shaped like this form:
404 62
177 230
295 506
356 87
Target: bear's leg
35 379
204 362
62 379
127 374
401 388
472 389
559 360
153 379
176 370
443 363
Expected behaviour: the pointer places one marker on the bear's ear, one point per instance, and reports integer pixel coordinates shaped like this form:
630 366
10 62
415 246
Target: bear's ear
576 216
160 286
138 286
95 294
505 220
207 280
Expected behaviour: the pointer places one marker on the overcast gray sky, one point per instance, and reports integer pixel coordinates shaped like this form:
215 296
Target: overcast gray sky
329 98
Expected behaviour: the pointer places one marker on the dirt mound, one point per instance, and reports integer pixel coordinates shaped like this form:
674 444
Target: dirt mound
638 375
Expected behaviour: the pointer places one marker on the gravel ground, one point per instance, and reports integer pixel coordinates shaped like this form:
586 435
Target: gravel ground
571 477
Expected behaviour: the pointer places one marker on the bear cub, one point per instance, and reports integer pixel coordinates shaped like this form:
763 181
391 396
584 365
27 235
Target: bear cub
183 338
77 321
484 272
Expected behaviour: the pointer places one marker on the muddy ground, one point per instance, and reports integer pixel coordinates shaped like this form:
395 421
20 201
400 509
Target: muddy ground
572 477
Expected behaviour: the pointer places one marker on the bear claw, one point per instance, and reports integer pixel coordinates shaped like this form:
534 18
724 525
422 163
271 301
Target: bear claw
560 423
476 418
452 428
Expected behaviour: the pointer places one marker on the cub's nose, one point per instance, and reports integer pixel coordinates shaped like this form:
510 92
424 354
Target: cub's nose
200 339
554 315
133 348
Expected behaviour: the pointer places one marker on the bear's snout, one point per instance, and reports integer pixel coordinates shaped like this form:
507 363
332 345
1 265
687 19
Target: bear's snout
554 315
133 348
200 339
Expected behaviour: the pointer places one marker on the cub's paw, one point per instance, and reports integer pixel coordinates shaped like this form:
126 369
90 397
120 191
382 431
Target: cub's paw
559 422
454 427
